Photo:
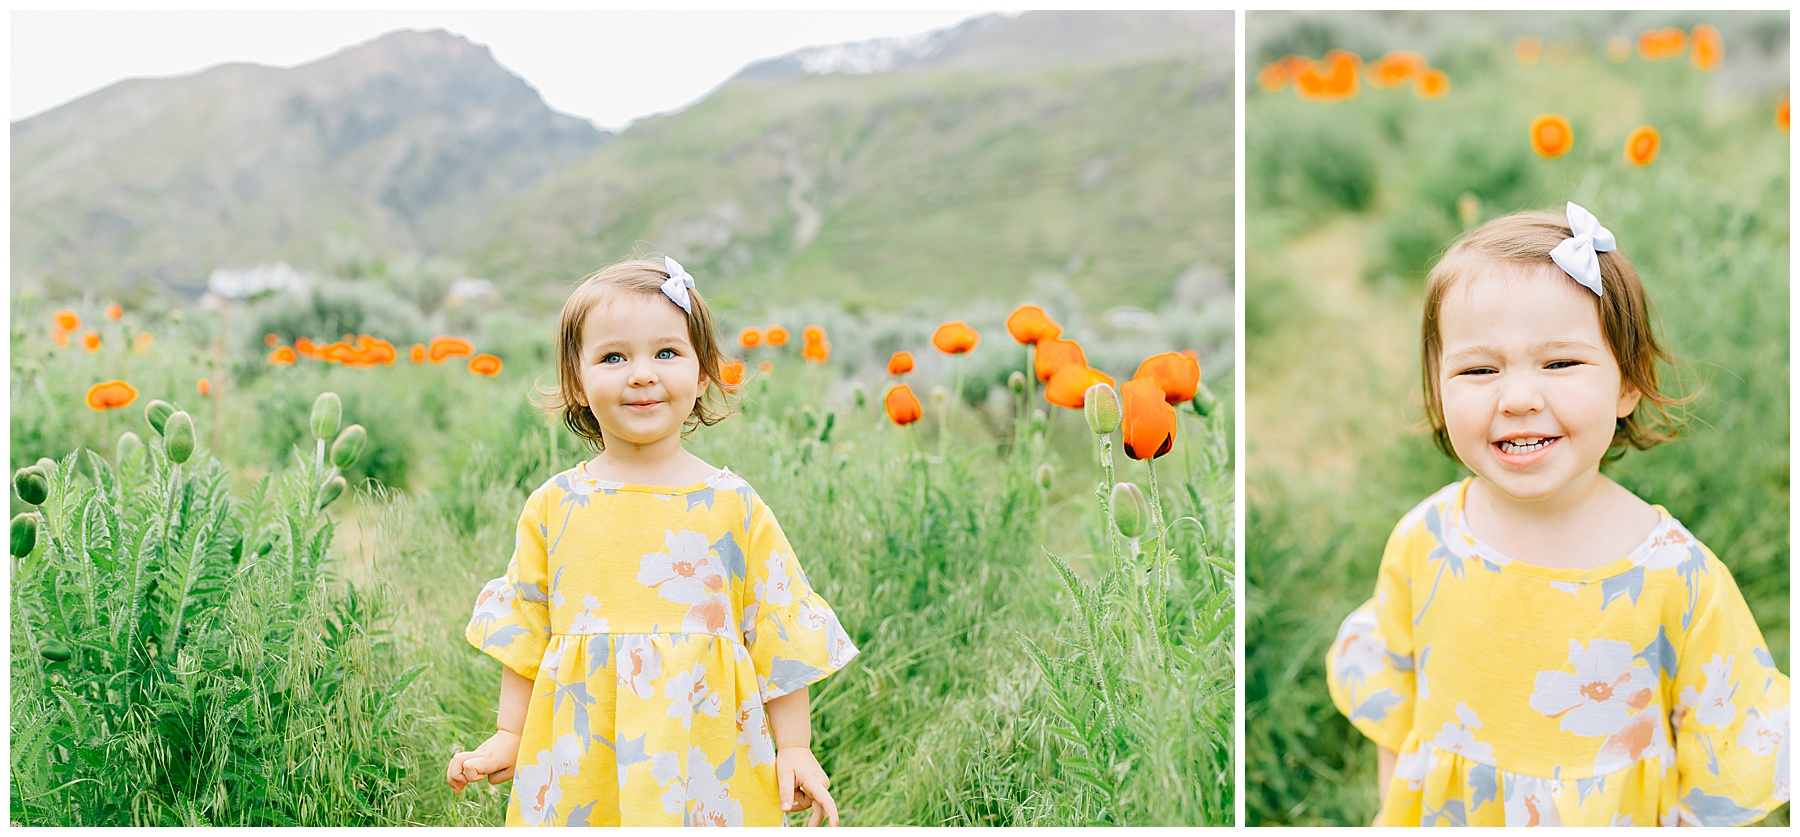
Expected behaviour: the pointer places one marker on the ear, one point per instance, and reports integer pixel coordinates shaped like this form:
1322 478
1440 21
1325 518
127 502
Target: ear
1628 398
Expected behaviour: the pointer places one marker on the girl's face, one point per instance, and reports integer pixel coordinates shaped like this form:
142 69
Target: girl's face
1531 391
639 372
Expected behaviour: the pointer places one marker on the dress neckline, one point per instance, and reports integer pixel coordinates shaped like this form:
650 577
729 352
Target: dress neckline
1636 557
587 479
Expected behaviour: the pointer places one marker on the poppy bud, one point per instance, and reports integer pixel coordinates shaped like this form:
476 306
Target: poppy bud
861 396
349 446
129 445
1038 419
1016 382
825 426
178 437
32 485
24 534
1131 512
333 489
55 652
157 412
326 412
1045 475
1204 402
1101 407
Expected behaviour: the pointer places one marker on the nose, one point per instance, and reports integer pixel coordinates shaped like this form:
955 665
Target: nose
1520 395
642 373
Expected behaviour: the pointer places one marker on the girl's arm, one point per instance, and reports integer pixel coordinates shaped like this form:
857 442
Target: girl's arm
494 758
1384 771
790 721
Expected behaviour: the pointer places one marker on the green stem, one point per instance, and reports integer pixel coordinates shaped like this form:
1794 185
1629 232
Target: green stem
1105 493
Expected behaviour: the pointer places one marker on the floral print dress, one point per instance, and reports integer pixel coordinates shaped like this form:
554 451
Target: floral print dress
656 623
1635 693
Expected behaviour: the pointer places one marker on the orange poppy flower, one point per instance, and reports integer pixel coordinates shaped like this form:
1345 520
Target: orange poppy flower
765 367
114 312
903 408
304 346
283 356
1148 424
271 340
731 373
1528 49
61 337
1640 147
1069 386
1396 68
1431 84
1029 324
142 342
1177 375
204 386
1054 353
90 341
750 338
900 364
1551 135
816 352
484 364
812 334
380 351
1275 76
66 319
418 353
444 348
1781 115
776 336
339 352
1331 78
1657 44
955 338
1709 50
110 395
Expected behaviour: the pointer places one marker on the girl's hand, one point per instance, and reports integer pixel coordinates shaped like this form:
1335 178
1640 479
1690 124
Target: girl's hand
804 782
493 759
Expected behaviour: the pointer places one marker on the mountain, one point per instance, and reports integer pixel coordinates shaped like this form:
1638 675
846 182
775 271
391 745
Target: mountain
402 143
1092 148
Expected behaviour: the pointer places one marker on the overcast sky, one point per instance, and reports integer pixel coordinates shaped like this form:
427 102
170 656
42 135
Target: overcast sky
577 60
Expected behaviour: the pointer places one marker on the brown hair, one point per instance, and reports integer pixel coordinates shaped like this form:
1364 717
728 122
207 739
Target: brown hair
1525 239
642 276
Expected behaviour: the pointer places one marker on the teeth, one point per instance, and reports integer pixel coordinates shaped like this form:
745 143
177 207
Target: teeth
1523 446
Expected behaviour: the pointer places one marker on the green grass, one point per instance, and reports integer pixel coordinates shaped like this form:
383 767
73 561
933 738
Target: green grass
1332 319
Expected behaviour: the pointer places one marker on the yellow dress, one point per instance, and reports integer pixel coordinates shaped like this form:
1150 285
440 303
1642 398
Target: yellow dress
656 623
1635 693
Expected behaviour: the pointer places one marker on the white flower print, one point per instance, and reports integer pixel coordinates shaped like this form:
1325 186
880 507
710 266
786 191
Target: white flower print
753 724
1713 706
1621 821
685 574
1361 653
551 664
1415 766
690 694
1600 697
639 665
665 767
727 481
588 622
700 796
1531 801
1764 734
773 590
496 600
1642 737
813 616
1457 738
537 790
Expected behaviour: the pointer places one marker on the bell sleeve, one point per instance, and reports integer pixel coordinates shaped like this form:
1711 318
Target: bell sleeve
511 620
1731 715
1369 667
793 636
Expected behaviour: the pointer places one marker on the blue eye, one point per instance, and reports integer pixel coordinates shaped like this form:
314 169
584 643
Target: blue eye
665 354
1562 364
612 357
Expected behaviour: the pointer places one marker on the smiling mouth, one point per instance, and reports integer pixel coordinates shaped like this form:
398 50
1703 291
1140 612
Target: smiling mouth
1525 444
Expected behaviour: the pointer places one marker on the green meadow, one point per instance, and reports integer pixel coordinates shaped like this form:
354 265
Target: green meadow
1350 202
197 642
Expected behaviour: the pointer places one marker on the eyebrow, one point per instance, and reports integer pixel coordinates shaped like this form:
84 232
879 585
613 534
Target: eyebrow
616 343
1541 348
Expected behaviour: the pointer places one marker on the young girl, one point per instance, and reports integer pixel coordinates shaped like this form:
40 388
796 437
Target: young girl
656 631
1543 647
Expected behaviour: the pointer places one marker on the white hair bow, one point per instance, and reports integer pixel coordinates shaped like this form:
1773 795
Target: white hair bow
676 288
1579 256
